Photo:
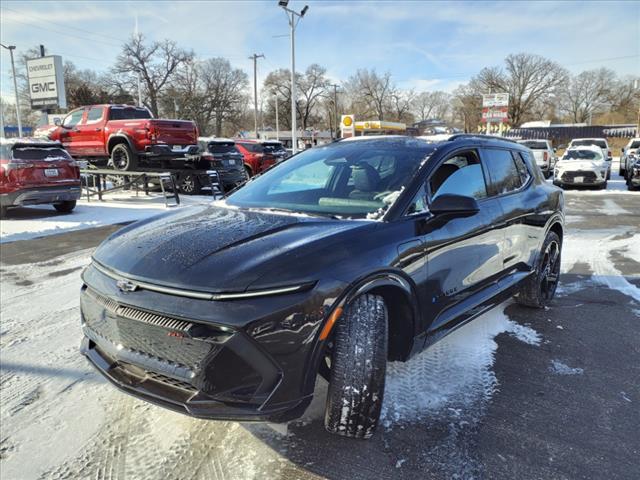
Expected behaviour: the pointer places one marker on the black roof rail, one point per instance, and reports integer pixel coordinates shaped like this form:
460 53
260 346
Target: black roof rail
480 136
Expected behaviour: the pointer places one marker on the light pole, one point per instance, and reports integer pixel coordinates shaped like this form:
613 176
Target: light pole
293 17
277 120
335 104
11 48
255 58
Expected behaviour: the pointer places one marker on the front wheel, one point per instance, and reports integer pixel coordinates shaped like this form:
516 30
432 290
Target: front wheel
189 184
65 207
540 287
358 368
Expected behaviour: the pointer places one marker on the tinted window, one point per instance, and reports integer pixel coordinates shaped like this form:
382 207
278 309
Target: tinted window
581 154
73 118
94 114
128 113
221 147
521 165
39 153
459 175
502 169
535 145
635 145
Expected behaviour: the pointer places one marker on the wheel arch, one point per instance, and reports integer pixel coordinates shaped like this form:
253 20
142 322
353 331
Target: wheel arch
117 138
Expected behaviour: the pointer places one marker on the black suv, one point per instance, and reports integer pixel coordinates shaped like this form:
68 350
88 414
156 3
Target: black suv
332 263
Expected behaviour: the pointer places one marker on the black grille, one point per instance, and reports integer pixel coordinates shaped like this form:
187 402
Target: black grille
151 340
171 381
588 176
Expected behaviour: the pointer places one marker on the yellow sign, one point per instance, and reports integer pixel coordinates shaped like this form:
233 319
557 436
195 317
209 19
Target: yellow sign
347 120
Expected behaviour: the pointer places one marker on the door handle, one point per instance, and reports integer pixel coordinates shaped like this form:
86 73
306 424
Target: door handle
98 129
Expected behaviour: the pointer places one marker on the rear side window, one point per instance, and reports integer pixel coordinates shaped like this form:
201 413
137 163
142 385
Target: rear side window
94 114
521 166
502 169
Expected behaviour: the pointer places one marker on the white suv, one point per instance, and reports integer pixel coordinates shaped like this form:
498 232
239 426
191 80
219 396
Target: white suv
583 165
632 146
598 142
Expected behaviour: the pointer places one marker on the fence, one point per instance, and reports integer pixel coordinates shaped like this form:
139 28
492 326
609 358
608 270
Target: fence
564 134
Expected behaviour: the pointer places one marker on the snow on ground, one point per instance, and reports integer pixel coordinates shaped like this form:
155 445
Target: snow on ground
42 220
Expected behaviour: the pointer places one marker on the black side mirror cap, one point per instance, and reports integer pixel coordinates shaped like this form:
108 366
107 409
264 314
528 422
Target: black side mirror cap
455 205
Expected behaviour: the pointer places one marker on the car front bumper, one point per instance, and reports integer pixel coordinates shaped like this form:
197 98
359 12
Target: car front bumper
40 195
580 177
254 360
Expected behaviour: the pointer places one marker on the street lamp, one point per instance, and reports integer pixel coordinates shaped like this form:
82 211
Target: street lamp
293 18
11 48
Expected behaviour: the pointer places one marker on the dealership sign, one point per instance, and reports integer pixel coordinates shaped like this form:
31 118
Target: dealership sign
495 100
46 82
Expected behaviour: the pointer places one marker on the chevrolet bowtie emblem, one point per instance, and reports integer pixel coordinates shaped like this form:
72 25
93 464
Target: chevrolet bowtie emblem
126 286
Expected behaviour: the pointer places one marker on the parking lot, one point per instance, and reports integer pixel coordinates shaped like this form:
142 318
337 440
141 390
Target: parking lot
518 393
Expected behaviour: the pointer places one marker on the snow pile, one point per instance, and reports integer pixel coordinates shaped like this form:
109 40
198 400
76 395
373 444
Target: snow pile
560 368
454 371
43 220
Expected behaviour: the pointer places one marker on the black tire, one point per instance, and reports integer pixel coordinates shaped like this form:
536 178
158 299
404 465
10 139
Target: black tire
123 159
538 289
248 170
189 184
358 368
65 207
603 186
3 212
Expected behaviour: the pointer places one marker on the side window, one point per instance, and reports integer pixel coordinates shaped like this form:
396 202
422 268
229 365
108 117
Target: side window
73 118
94 114
459 175
419 203
521 165
502 169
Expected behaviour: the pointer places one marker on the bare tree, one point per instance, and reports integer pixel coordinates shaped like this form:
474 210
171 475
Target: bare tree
432 105
402 104
211 92
312 86
371 92
527 78
586 93
467 106
156 63
624 98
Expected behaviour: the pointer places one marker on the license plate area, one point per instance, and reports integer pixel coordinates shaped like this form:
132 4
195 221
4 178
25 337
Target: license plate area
51 172
578 179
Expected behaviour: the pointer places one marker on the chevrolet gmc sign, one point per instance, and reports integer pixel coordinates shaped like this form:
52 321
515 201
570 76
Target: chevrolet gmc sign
46 82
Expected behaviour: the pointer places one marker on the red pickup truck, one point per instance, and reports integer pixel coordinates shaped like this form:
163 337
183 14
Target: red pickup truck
125 136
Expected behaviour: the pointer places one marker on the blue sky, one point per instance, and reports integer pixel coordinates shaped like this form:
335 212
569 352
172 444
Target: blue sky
425 45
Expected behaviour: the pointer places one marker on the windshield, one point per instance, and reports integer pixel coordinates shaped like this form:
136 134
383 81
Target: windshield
535 145
635 144
582 155
598 143
350 179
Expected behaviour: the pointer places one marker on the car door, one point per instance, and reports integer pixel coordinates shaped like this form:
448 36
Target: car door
90 135
69 134
463 254
509 178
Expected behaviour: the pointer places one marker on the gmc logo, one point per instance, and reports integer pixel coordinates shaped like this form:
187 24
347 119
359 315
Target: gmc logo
43 87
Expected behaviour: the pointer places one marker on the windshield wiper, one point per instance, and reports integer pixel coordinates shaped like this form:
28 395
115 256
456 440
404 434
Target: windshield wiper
289 211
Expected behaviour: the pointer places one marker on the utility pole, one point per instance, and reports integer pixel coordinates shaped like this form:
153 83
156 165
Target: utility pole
335 104
277 120
11 48
255 58
293 17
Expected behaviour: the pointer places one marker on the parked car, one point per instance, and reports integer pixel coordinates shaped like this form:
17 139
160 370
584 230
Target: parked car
126 136
219 154
334 262
544 154
632 173
631 147
582 165
260 154
37 171
598 142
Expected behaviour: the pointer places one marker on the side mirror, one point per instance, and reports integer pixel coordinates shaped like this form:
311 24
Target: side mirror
555 149
455 205
57 122
622 150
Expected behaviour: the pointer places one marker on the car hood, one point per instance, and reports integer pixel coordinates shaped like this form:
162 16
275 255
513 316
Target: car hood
218 249
580 165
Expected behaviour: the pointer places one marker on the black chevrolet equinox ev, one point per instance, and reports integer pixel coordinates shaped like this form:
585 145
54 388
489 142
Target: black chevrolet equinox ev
333 262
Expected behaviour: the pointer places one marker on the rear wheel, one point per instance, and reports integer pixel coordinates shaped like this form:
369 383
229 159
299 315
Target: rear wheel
248 170
540 288
123 159
189 184
358 368
65 207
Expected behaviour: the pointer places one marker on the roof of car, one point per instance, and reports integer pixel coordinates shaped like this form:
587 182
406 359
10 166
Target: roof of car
256 140
591 138
216 140
595 148
30 141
